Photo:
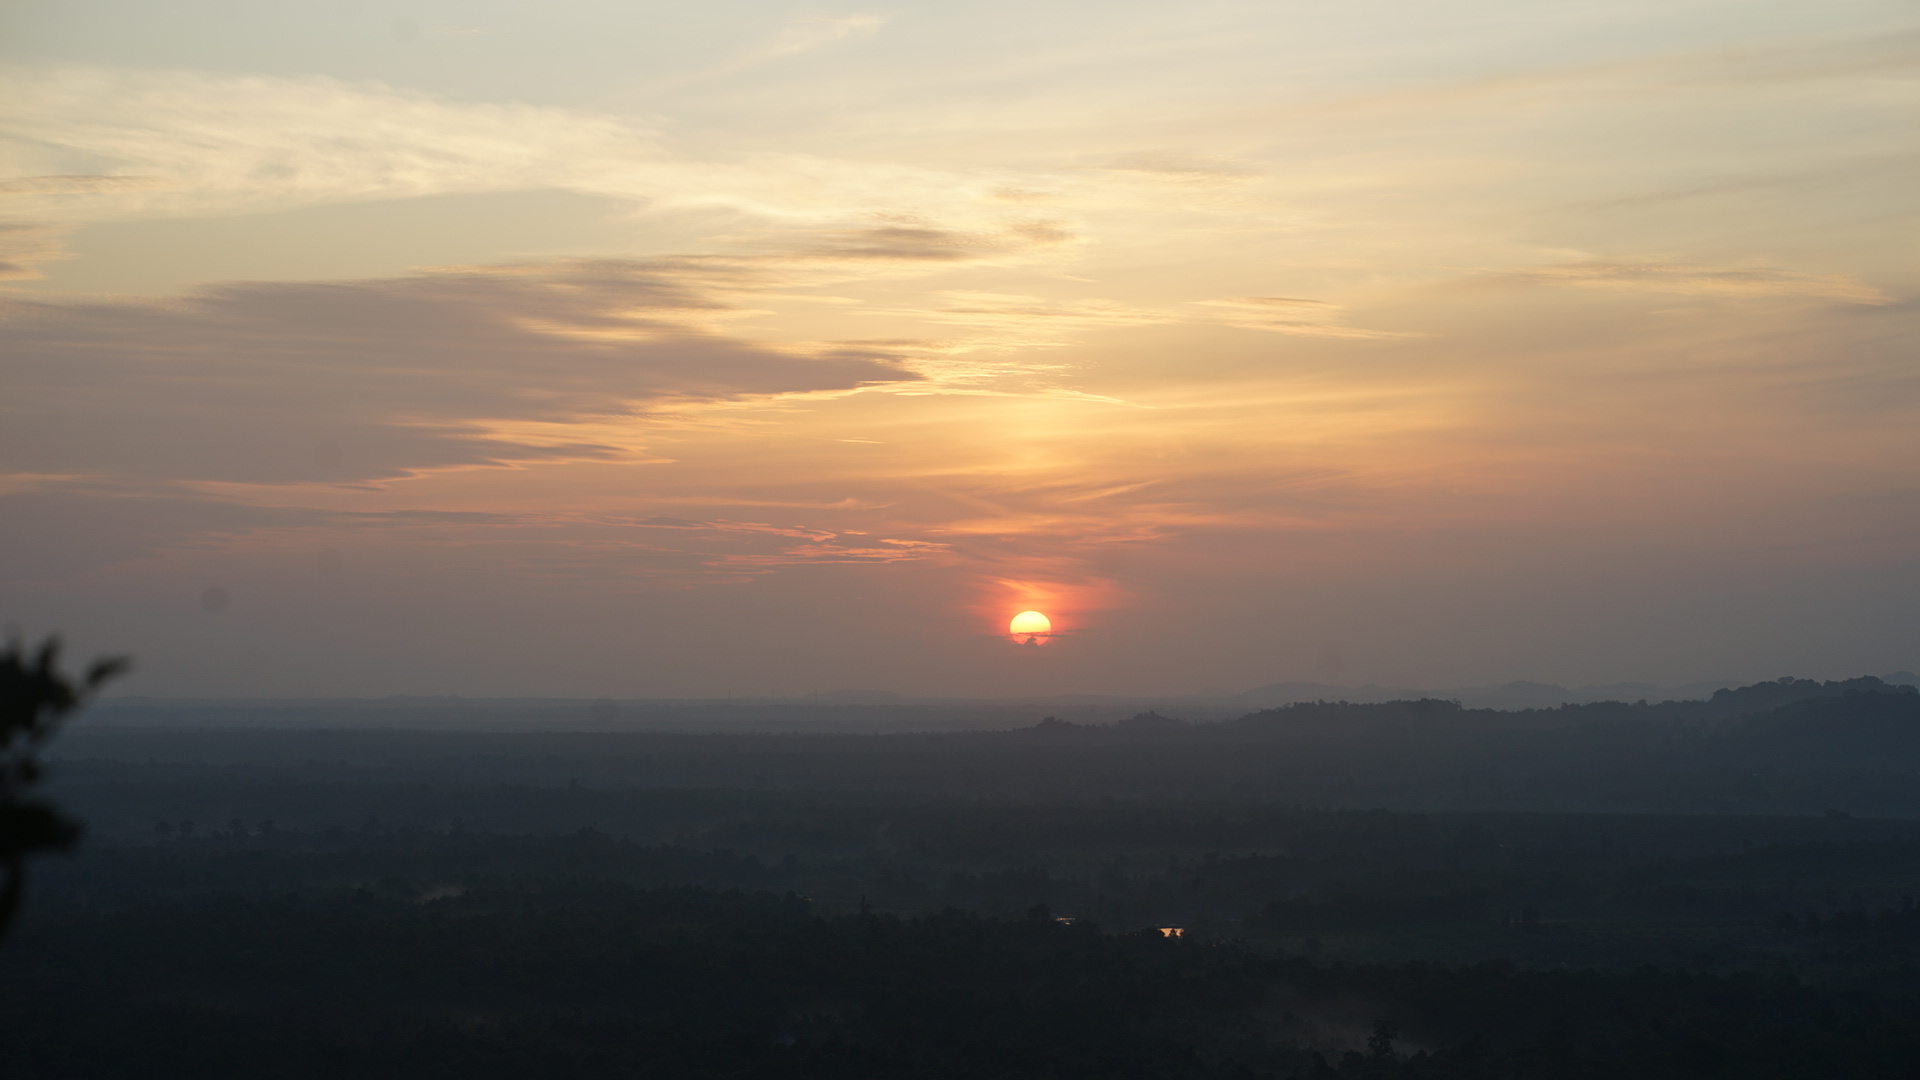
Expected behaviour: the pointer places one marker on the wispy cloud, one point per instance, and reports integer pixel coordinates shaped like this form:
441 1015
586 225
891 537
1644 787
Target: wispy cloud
183 143
74 184
1695 280
24 247
1287 315
340 382
1177 167
805 35
904 238
1016 321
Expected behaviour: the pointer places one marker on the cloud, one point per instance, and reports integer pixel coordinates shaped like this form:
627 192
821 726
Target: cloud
1286 315
894 551
175 143
1179 168
1695 280
908 239
58 527
73 184
688 549
805 35
65 527
726 526
995 308
22 246
362 381
801 35
180 142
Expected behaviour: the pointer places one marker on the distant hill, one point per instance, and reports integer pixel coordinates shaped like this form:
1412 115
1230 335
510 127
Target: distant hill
1429 714
880 711
1788 746
1513 695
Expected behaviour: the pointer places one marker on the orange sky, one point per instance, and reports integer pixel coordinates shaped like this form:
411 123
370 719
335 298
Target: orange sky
634 350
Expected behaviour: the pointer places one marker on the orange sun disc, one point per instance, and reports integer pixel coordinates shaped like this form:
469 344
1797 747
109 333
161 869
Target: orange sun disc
1030 622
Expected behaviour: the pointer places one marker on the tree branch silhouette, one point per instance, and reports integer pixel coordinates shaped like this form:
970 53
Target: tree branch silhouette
36 697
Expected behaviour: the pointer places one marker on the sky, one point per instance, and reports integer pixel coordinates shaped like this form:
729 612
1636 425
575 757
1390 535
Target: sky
757 348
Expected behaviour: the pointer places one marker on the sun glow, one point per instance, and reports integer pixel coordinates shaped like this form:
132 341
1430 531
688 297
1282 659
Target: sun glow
1029 623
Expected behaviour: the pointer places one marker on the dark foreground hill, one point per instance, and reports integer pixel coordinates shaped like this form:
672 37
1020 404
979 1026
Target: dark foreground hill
1734 897
596 980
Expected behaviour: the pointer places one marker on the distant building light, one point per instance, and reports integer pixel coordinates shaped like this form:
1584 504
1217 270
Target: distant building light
1172 931
1065 920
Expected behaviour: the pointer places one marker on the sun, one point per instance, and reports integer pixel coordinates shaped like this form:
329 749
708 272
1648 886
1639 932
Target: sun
1028 623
